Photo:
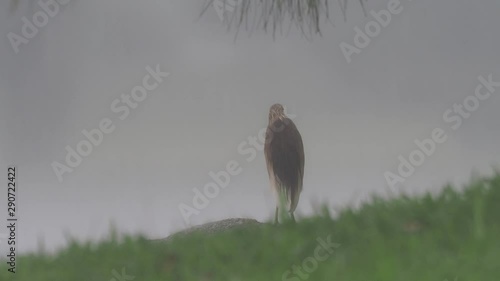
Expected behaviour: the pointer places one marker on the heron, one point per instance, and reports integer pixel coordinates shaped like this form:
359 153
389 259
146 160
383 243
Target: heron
284 153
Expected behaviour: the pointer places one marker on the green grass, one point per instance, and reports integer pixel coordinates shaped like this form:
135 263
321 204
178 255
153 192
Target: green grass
449 236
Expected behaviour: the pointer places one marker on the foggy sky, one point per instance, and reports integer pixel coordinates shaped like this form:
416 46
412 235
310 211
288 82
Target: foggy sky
355 118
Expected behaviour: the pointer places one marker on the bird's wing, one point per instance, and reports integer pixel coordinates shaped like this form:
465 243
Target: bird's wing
284 154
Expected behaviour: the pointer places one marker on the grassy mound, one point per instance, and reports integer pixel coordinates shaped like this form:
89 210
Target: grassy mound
450 236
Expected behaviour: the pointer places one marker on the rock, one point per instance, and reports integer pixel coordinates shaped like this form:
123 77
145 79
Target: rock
213 227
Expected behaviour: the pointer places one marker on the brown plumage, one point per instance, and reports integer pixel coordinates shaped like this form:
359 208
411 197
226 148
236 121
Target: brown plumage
284 154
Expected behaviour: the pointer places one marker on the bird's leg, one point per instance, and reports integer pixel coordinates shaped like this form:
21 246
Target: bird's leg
292 216
276 216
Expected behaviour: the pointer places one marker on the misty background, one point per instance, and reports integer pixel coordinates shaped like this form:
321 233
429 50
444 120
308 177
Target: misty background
355 118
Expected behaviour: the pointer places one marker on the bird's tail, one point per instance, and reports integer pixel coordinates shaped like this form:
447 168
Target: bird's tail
288 197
